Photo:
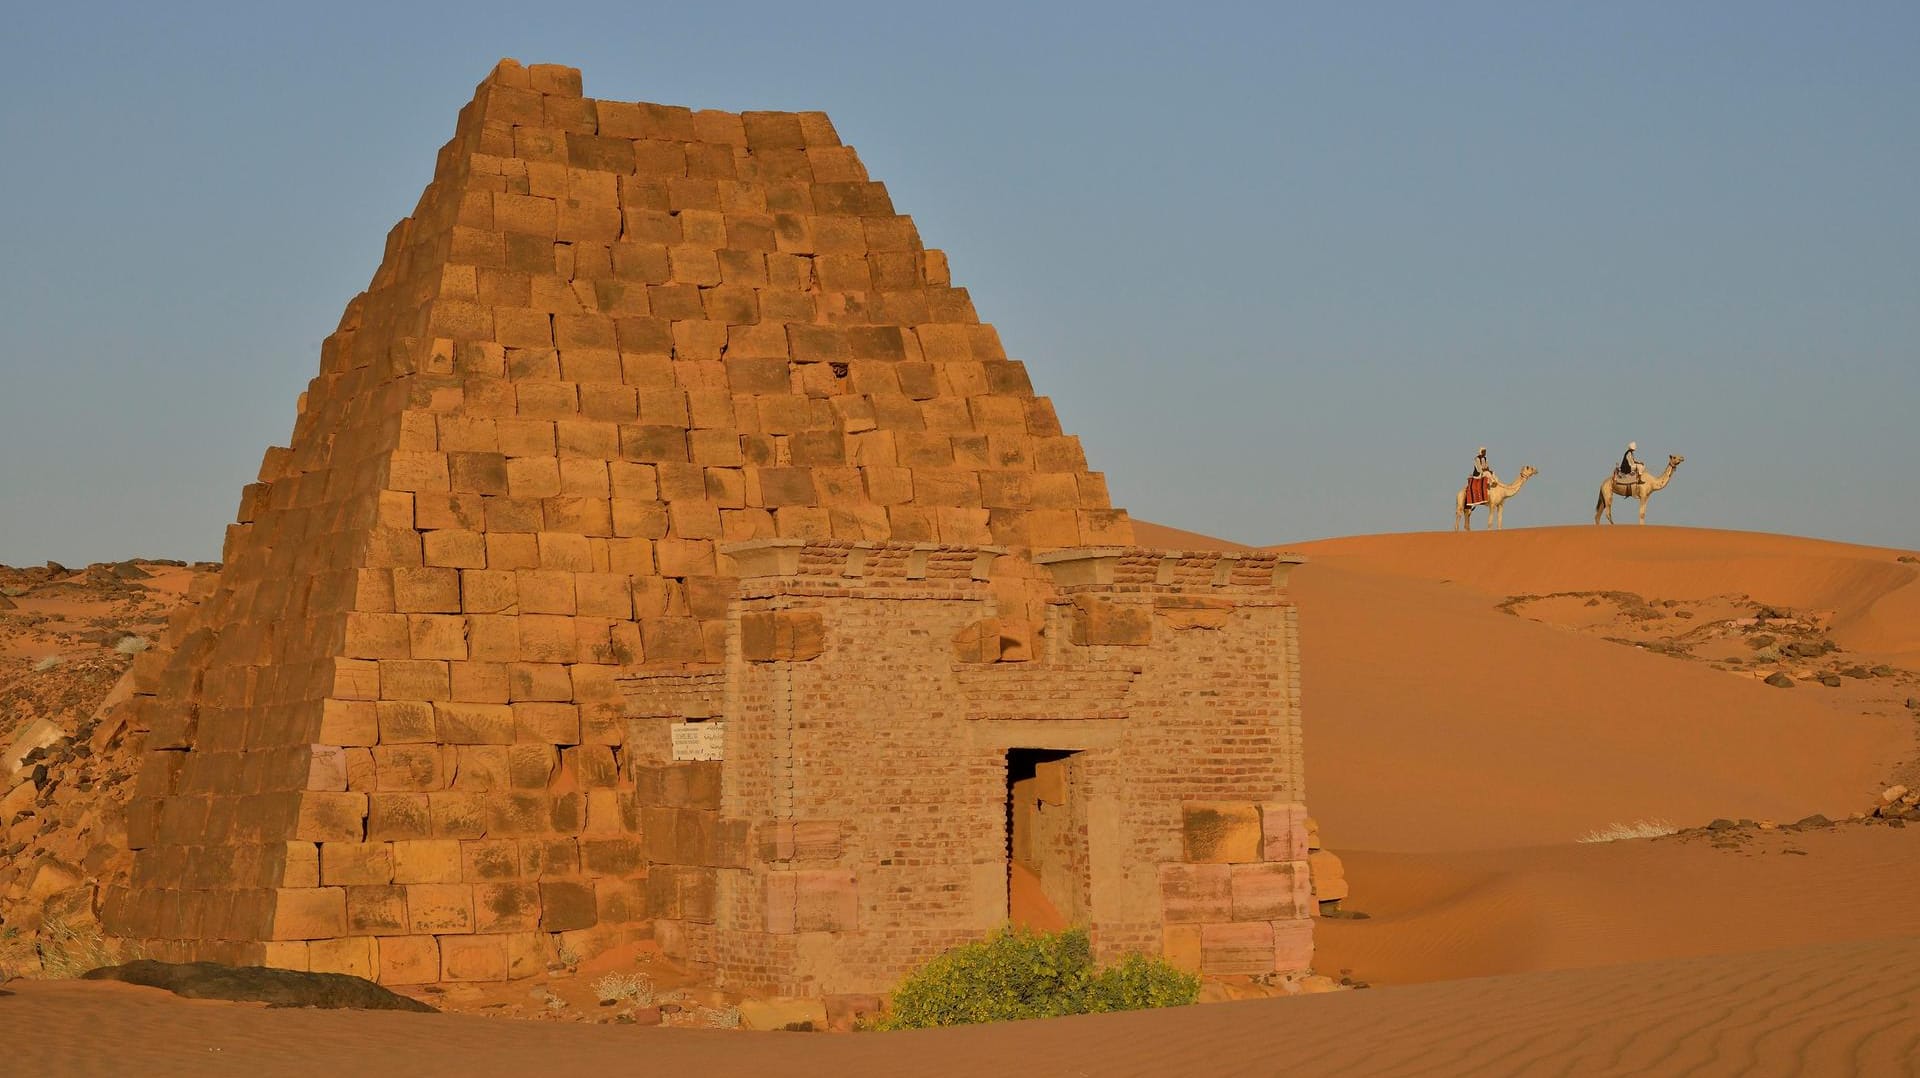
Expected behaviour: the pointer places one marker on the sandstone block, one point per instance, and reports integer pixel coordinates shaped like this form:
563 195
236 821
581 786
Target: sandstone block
1220 832
473 958
1283 830
440 908
1238 948
326 816
427 861
1292 945
1270 891
506 907
409 959
1102 621
344 863
782 635
308 913
1329 876
566 905
354 956
373 911
474 724
1191 894
1180 946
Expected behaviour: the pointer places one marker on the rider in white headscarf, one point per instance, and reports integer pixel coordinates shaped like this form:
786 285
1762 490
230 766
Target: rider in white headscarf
1630 464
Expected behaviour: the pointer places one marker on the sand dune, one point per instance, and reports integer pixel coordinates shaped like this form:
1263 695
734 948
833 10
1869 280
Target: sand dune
1875 598
1441 916
1166 538
1435 721
1849 1008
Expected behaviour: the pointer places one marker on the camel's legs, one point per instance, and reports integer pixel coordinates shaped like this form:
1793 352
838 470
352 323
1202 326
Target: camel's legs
1644 499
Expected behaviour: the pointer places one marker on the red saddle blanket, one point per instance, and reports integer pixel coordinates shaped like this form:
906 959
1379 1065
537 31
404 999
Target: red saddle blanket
1477 490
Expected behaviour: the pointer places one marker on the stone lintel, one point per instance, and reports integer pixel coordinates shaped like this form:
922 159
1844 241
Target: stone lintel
1105 567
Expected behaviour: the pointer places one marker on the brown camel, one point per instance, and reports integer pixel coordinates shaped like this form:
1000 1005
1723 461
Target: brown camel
1641 486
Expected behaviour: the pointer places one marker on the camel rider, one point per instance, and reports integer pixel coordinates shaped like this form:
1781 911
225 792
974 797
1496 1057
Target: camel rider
1630 466
1480 467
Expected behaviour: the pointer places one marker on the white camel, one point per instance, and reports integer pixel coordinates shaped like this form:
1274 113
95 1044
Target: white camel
1497 495
1640 486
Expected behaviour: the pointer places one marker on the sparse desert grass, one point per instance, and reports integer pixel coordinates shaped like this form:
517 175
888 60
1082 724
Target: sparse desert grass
1614 832
48 663
132 645
636 988
59 951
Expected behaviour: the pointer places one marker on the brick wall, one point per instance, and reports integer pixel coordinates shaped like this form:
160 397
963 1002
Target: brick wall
879 760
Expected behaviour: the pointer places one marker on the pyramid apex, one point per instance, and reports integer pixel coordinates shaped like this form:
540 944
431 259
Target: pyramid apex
508 72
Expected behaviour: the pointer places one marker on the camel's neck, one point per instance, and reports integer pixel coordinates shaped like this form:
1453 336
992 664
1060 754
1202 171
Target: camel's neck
1518 482
1663 479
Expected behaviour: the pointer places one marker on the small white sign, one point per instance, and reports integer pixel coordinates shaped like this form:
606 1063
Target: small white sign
698 740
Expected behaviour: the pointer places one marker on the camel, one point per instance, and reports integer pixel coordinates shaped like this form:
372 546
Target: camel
1641 486
1497 495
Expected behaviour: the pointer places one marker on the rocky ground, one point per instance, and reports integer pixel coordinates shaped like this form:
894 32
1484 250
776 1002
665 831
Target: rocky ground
1784 647
67 640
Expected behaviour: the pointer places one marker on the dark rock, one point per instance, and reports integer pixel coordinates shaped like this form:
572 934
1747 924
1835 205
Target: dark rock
1815 820
1721 825
127 570
54 568
258 984
1780 681
1831 681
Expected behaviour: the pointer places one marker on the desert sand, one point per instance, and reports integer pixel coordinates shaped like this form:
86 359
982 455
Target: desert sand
1437 720
1847 1008
1476 705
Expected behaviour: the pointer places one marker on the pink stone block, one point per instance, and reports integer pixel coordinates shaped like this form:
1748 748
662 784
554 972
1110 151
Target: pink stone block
782 891
1190 894
1293 944
1283 828
826 901
1240 947
1270 891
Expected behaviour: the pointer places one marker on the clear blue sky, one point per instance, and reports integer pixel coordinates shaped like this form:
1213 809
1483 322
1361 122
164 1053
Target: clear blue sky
1282 267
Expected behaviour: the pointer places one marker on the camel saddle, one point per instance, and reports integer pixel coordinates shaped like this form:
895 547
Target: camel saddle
1477 490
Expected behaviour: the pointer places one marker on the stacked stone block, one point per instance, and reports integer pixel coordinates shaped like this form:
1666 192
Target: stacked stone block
611 339
1240 900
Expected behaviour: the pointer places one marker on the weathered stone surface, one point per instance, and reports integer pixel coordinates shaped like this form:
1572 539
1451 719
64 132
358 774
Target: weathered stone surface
1221 832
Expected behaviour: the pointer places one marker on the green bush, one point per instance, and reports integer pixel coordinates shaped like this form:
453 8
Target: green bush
1017 973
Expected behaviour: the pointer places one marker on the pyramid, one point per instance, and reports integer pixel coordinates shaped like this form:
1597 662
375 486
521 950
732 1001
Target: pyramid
650 417
610 338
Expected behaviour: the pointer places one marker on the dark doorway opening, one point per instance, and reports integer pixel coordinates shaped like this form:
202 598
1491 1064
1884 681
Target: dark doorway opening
1047 880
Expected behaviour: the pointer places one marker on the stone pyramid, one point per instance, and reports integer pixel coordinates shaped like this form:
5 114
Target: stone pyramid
610 339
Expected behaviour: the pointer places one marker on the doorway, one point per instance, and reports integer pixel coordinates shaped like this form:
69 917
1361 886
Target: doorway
1047 864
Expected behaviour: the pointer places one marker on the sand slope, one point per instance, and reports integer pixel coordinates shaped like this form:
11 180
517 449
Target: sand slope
1875 597
1850 1008
1435 721
1440 916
